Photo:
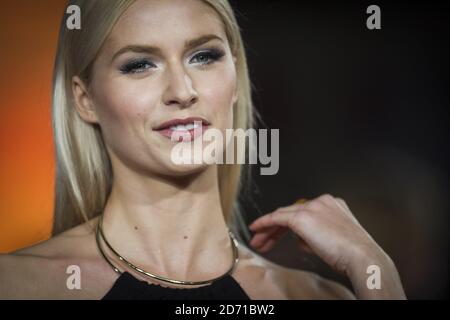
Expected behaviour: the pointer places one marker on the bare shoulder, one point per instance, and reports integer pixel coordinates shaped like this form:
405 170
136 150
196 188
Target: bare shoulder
41 271
67 243
275 281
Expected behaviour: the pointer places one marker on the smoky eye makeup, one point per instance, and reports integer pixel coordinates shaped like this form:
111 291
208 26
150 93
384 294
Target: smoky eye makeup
202 57
207 56
136 66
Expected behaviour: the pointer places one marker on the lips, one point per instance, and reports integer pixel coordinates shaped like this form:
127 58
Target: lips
183 129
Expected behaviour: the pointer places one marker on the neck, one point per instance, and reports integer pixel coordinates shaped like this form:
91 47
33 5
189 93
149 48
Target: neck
171 228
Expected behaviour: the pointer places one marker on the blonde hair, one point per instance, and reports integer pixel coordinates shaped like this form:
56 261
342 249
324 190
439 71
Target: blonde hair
83 169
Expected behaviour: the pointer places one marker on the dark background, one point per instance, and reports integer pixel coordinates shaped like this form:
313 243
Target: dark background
363 116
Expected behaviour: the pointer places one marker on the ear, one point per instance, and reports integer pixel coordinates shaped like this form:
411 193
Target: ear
83 103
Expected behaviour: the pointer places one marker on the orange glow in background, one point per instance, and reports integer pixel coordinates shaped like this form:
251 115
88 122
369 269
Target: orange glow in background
28 38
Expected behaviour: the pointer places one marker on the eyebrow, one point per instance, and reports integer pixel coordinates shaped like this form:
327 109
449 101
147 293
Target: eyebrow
151 49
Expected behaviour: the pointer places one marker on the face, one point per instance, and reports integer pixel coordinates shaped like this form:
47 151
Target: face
163 60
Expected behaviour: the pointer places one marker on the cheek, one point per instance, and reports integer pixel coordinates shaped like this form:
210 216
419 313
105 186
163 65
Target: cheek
122 111
217 91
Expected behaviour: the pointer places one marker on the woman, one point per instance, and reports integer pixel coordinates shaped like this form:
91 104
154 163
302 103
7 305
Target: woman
125 213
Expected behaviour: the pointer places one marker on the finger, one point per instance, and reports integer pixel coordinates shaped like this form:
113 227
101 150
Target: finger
291 208
277 218
304 246
327 200
267 246
262 235
260 238
299 204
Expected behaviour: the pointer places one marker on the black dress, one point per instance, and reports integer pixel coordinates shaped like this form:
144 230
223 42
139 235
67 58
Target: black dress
127 287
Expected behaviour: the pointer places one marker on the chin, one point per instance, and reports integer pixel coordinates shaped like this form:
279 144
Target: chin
184 170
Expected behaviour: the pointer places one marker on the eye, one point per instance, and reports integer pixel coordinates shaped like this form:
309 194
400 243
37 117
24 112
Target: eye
136 66
208 56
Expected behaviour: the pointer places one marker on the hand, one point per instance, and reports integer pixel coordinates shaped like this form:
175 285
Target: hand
326 226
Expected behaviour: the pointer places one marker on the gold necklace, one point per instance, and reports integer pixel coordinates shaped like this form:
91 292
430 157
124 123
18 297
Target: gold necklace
99 234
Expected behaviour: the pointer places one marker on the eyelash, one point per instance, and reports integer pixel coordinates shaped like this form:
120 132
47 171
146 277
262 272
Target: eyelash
140 65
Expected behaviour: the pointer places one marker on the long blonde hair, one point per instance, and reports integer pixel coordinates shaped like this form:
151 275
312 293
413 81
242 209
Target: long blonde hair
83 169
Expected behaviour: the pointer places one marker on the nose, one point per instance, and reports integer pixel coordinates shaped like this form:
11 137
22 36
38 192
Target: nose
179 91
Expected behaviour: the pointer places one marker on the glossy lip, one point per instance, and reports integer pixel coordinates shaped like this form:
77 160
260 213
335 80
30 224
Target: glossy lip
182 136
174 122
